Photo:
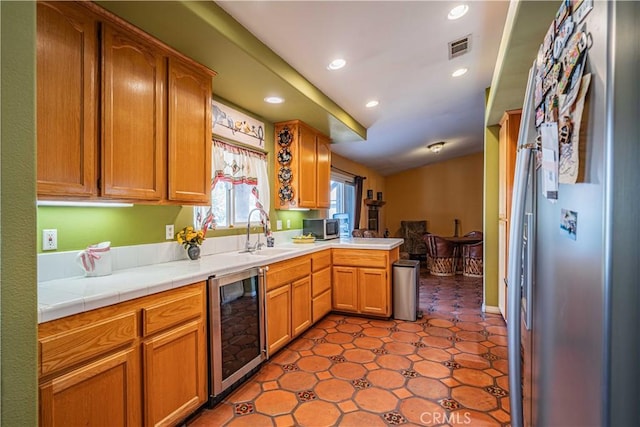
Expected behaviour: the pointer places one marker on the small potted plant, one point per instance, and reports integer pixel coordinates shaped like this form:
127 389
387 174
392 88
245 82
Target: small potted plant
191 240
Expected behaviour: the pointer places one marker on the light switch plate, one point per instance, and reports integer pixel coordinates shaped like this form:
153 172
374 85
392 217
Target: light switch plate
168 232
288 223
49 239
279 224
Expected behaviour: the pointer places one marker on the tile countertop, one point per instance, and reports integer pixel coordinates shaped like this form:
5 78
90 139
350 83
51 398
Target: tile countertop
64 297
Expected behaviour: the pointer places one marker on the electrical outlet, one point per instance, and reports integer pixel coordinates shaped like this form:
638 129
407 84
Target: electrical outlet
288 223
168 232
49 239
279 224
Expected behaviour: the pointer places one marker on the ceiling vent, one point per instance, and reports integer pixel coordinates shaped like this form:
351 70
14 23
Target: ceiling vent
459 47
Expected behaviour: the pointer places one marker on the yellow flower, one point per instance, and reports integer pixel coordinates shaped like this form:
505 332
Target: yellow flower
188 236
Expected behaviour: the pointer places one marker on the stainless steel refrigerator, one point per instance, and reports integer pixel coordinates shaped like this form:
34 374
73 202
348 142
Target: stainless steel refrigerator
574 275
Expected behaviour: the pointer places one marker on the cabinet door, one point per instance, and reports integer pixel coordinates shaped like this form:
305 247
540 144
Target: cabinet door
345 288
373 291
189 134
175 374
278 313
321 305
300 305
102 393
133 117
307 168
67 79
323 154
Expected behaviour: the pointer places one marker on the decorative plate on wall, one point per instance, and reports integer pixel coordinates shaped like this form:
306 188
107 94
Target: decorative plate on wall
284 137
286 194
284 156
284 175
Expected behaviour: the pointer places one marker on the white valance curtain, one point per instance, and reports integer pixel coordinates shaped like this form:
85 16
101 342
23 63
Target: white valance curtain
238 166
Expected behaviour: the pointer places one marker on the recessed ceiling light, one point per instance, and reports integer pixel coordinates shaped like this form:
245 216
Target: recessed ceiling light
436 147
458 12
459 72
336 64
372 104
274 100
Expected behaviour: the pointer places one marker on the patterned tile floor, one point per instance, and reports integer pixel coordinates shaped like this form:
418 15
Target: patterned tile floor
448 368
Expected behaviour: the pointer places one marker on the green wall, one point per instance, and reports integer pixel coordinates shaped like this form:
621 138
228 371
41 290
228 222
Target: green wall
18 302
490 215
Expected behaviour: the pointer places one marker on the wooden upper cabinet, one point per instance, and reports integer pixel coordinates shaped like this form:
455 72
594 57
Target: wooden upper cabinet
307 178
302 165
189 133
120 114
133 117
67 99
323 156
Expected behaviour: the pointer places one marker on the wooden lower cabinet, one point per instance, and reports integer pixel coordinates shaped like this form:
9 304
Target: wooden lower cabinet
175 376
300 305
288 301
372 286
320 285
105 392
361 281
278 318
140 362
361 290
345 289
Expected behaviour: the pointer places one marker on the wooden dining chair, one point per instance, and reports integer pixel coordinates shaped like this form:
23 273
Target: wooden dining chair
472 260
442 255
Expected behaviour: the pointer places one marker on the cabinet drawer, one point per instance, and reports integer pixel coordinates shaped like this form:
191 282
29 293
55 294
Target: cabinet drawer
288 271
321 281
321 305
65 349
320 260
360 258
165 314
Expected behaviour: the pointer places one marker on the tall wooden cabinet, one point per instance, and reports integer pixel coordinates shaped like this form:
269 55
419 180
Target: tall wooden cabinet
120 115
302 165
509 127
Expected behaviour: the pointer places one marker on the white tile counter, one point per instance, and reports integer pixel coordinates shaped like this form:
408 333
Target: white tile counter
66 296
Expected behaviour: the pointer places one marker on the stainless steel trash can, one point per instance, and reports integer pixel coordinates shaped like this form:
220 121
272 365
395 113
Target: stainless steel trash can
406 289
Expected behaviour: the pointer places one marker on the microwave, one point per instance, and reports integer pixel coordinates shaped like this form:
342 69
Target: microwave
322 229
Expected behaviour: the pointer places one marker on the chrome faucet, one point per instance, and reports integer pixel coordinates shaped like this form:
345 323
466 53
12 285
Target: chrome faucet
248 246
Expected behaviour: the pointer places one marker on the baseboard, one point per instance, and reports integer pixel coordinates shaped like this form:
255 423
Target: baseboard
491 309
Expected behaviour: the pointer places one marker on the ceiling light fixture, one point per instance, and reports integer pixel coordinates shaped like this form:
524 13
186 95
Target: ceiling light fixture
459 72
372 104
458 12
274 100
436 147
336 64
